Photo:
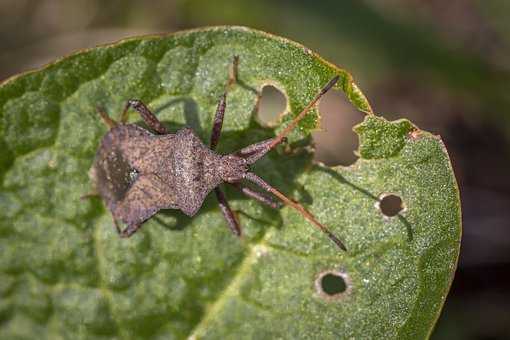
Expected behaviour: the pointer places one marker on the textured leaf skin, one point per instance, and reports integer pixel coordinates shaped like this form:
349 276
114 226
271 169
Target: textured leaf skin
64 273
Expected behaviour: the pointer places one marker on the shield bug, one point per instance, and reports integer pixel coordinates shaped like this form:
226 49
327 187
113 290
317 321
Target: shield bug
138 172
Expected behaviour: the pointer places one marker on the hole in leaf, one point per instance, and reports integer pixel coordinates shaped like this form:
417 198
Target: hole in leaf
271 105
336 143
332 284
391 205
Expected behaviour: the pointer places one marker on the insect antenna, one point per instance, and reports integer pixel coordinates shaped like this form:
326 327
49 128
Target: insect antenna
255 151
281 137
306 214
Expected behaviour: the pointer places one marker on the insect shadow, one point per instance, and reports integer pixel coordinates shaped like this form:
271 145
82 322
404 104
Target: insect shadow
341 179
190 111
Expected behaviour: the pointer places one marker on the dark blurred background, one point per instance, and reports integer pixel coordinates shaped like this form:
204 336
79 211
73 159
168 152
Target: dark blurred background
443 64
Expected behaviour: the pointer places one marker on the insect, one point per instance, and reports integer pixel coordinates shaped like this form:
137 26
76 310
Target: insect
137 172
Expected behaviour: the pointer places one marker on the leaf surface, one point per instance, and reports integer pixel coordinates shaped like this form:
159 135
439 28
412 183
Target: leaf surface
65 273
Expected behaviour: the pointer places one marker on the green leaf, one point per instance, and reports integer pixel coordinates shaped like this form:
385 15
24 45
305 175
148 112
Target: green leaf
65 273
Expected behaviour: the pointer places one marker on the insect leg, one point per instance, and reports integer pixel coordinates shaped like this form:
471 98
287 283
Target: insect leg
232 72
233 224
106 119
215 137
130 230
89 195
218 121
220 110
258 196
149 118
117 226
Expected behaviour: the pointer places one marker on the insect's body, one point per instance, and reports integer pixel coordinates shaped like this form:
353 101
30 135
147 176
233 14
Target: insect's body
138 173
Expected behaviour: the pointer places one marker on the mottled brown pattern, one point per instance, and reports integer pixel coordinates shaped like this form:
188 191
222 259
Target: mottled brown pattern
138 173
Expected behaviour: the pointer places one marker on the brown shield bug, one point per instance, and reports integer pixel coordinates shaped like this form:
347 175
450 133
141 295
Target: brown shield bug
137 172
